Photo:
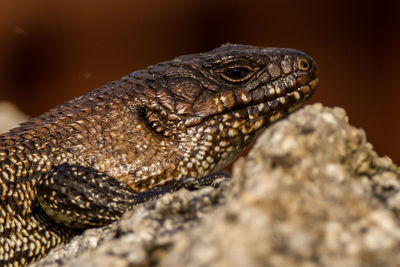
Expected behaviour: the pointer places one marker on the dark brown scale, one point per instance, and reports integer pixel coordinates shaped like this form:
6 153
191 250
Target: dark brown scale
85 162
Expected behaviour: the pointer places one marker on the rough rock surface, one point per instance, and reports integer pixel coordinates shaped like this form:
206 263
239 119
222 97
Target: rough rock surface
10 116
312 192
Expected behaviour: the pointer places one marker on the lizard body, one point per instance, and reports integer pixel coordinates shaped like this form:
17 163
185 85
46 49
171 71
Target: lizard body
85 162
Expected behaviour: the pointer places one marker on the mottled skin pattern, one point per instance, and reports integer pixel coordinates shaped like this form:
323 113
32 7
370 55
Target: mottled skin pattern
87 161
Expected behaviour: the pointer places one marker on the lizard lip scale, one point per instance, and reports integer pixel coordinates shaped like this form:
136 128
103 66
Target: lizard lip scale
85 162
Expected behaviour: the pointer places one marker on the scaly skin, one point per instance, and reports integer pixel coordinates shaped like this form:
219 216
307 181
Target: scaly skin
85 162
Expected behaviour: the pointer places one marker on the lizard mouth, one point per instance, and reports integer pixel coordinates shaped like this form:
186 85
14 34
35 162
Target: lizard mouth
265 110
284 102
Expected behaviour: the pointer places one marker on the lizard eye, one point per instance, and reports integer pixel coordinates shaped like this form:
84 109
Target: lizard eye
237 74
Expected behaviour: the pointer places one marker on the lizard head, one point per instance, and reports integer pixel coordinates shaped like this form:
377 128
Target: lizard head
216 103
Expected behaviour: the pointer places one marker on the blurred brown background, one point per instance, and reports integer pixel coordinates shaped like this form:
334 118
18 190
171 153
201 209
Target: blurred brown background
52 51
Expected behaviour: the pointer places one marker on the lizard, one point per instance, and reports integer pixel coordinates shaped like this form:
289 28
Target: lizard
85 162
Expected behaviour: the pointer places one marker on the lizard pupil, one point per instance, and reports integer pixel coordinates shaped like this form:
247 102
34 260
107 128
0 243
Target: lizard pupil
237 73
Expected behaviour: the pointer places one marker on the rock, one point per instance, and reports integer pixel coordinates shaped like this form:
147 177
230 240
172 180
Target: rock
10 116
312 192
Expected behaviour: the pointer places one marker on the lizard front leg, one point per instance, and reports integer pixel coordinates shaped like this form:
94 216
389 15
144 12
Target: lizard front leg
81 197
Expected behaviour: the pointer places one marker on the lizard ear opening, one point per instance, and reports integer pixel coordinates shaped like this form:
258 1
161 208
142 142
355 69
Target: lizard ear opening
158 126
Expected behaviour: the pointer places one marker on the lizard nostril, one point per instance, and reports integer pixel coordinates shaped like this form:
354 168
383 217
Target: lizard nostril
304 64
